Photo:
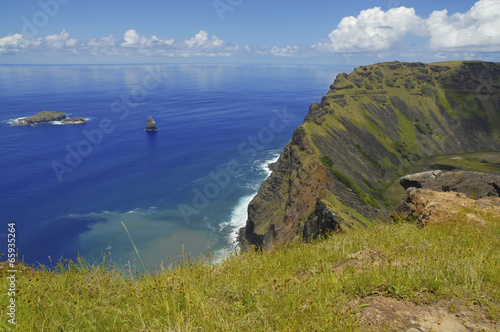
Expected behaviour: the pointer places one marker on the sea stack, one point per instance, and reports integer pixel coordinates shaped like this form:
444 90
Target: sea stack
151 125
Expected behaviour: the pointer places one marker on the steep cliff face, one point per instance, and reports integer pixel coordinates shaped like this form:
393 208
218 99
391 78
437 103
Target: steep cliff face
371 124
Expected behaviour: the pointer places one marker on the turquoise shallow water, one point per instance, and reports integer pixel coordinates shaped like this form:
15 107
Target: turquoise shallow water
69 187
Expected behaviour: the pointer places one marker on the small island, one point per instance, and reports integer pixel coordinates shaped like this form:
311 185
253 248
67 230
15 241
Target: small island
48 116
151 124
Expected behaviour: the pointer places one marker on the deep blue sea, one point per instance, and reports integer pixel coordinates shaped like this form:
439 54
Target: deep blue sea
185 188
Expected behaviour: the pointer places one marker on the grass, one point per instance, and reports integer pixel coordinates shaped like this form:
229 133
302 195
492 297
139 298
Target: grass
301 287
348 183
421 128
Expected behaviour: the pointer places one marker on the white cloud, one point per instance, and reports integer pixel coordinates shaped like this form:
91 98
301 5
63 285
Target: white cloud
372 33
202 45
103 42
479 28
132 39
132 44
18 42
59 41
11 40
374 30
158 41
200 40
287 51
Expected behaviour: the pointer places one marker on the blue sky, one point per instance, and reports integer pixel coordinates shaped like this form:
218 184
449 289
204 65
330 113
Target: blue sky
239 31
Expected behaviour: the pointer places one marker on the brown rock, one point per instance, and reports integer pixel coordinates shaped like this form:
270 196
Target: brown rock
472 184
428 206
77 120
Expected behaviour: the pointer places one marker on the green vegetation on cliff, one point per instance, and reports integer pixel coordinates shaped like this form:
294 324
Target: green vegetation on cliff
350 184
372 125
324 285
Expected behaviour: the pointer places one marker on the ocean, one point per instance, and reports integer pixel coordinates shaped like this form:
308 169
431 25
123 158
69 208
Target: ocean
70 189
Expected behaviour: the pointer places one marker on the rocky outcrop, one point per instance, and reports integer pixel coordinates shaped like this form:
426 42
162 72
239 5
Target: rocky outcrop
472 184
428 206
370 125
151 124
77 120
271 166
321 220
49 116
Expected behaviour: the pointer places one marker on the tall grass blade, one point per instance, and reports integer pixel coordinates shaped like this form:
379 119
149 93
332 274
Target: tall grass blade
135 248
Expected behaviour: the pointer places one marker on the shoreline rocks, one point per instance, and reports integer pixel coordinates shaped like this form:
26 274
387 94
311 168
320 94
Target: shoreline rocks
272 166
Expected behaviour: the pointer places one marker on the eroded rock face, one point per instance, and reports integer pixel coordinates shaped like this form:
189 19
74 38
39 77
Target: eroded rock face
428 206
320 221
151 125
472 184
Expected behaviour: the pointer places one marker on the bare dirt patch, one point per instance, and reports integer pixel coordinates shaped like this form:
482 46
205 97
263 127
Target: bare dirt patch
364 259
381 313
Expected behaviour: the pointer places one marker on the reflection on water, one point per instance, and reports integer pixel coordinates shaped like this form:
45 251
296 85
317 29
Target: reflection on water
152 139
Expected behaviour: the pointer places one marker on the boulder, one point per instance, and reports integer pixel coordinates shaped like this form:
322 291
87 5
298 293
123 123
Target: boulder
472 184
151 125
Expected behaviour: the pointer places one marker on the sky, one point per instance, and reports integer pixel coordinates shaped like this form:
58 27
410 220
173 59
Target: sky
247 31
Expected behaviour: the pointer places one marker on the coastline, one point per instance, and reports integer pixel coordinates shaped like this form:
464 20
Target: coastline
239 213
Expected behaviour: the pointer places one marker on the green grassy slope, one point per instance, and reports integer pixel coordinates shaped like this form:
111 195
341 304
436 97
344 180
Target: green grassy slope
302 287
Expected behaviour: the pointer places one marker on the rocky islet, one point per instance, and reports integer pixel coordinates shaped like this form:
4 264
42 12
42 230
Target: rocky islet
47 117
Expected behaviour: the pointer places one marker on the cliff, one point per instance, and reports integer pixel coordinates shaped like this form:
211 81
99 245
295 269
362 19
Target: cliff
369 126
